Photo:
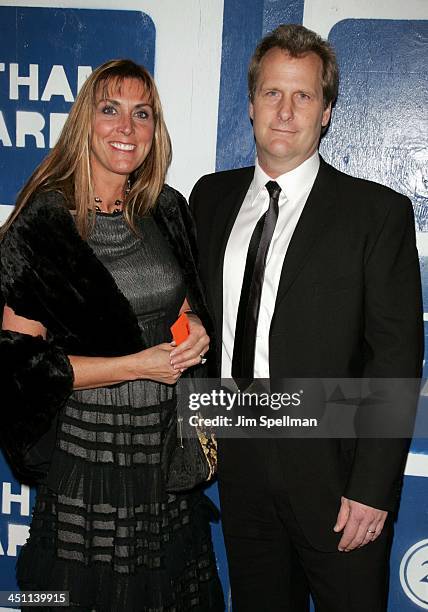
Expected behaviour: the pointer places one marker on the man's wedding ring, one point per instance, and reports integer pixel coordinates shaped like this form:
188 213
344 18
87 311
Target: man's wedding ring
370 531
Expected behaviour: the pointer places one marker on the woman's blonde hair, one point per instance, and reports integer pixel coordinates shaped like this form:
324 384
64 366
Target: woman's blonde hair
67 167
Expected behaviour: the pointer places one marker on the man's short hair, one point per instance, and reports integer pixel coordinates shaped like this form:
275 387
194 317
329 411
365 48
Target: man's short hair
296 40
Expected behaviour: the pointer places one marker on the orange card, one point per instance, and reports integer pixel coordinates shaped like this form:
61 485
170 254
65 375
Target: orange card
180 329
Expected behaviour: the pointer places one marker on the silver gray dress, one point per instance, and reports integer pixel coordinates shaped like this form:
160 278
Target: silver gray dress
109 532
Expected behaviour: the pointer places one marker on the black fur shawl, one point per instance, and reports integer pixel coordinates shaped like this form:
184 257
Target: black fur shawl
49 274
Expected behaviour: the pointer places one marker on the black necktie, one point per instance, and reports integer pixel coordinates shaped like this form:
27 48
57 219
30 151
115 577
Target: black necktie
249 302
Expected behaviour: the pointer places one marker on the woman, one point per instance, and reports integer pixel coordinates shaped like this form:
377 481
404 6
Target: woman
89 300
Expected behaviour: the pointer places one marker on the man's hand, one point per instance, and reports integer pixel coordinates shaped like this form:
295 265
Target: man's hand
361 524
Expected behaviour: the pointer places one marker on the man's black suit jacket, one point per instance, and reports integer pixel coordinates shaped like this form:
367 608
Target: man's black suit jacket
348 305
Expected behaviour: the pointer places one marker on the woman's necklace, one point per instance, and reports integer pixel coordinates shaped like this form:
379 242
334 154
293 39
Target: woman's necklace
117 203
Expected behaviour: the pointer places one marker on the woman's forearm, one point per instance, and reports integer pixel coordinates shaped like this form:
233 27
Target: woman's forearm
93 372
153 363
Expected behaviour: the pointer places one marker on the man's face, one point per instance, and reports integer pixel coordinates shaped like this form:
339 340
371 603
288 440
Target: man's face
288 110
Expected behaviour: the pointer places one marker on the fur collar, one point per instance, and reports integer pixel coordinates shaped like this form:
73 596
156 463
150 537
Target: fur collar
49 274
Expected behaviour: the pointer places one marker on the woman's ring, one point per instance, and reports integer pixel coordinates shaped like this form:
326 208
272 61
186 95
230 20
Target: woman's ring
203 359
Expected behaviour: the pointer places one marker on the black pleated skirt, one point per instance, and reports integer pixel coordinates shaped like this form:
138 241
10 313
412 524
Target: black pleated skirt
104 528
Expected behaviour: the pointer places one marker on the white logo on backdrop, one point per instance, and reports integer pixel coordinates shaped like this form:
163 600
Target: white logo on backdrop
414 574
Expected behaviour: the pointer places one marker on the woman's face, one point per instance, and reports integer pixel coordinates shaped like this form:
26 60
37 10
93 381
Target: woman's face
122 130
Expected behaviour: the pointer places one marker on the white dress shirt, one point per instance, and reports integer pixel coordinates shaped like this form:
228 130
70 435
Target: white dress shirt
295 188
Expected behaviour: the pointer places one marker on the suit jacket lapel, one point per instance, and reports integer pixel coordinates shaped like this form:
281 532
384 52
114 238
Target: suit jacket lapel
315 216
226 213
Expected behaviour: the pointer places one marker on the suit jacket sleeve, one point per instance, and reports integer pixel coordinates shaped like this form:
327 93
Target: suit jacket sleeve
394 352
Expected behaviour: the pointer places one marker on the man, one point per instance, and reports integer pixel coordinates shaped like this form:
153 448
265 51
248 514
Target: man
336 293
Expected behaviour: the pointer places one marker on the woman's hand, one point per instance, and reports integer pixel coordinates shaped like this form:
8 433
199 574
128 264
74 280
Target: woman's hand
154 364
190 352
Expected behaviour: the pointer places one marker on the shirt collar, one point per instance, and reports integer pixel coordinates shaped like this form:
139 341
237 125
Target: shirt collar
294 183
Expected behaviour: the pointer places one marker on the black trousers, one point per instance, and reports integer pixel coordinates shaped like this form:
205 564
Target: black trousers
273 567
